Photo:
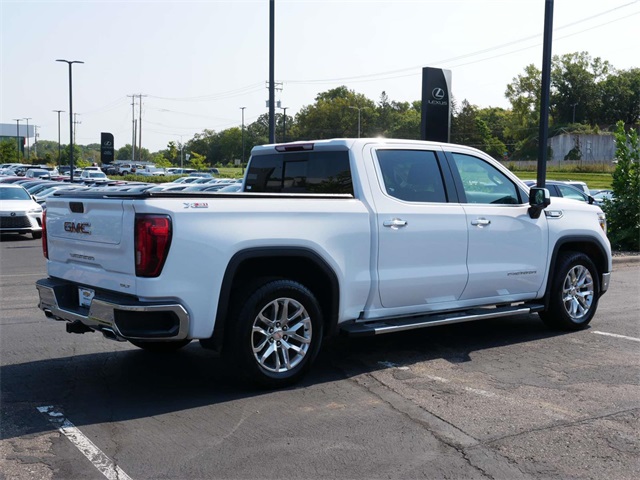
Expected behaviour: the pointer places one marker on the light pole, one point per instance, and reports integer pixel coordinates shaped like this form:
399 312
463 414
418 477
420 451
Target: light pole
359 109
18 135
59 154
27 135
70 63
242 160
574 112
284 125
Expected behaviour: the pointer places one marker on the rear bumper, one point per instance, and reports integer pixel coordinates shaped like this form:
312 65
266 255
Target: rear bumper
117 316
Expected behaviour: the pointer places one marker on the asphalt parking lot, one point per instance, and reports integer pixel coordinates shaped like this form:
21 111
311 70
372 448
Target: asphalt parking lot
501 399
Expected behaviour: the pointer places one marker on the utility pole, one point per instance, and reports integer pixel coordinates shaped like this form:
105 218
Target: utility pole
272 83
59 152
75 126
242 160
133 127
284 124
18 135
35 140
140 127
359 109
27 135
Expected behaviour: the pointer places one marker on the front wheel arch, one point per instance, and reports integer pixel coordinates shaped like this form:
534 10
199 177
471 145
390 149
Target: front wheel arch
574 292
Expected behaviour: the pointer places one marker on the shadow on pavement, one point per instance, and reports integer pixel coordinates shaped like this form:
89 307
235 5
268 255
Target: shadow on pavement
129 384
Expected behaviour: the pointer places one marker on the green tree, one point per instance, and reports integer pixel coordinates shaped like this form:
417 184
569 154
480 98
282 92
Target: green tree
524 95
9 152
65 158
621 98
334 115
623 212
124 153
172 153
197 161
574 87
160 161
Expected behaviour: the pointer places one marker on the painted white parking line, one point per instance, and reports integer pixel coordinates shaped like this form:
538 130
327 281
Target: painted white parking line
615 335
96 456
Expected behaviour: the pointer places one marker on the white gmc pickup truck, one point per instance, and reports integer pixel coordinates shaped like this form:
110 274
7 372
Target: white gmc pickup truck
362 237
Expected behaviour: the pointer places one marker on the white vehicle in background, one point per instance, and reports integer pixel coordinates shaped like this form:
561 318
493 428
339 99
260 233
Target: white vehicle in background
19 212
88 174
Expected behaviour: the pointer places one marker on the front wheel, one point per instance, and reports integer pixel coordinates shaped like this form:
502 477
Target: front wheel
276 334
574 293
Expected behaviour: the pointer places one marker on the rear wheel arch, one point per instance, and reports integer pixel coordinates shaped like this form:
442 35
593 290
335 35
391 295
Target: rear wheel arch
250 267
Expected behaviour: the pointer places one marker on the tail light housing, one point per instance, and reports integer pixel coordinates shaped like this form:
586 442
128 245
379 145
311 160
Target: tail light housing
152 241
45 246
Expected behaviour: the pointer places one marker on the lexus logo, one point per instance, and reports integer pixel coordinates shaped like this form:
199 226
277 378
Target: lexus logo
437 93
13 214
107 143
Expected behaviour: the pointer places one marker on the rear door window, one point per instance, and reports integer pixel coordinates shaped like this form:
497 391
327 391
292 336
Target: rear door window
412 175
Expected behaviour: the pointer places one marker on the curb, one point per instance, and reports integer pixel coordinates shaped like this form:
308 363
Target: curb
627 259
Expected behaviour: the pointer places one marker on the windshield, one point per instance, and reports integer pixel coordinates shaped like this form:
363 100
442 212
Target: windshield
14 194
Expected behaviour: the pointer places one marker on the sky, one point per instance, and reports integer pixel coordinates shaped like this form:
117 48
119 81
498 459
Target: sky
197 62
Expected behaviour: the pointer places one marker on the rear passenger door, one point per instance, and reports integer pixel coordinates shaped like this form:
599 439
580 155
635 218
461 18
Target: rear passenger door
422 237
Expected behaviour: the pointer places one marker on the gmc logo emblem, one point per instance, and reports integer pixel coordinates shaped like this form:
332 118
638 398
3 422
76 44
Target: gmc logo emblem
73 227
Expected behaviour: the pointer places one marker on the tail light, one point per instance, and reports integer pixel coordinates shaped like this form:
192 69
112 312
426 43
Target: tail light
152 242
45 247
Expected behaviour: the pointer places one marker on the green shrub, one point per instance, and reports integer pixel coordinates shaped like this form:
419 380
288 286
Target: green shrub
623 212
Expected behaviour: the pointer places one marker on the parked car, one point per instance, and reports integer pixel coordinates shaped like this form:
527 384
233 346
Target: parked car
93 175
582 186
559 188
601 195
19 212
37 173
127 168
233 187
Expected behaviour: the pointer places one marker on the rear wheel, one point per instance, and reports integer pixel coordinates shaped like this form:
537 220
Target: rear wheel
276 334
574 293
160 347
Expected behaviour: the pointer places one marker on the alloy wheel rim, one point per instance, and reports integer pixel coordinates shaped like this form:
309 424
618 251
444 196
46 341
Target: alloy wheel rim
281 335
577 292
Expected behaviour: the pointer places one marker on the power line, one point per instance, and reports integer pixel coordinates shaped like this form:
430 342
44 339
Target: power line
392 73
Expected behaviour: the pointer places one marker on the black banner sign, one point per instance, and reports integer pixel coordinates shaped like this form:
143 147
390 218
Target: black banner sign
106 148
436 104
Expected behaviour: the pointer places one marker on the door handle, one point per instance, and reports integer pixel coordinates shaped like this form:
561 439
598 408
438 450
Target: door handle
481 222
395 224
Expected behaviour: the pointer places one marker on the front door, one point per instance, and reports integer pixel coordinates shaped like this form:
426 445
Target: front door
507 249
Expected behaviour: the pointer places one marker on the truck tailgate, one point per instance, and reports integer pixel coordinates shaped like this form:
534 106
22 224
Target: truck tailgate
90 240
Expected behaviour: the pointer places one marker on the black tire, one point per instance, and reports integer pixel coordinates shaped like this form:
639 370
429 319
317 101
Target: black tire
36 235
574 293
160 347
261 347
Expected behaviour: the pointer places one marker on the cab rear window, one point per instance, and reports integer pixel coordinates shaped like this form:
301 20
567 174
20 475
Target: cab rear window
300 172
